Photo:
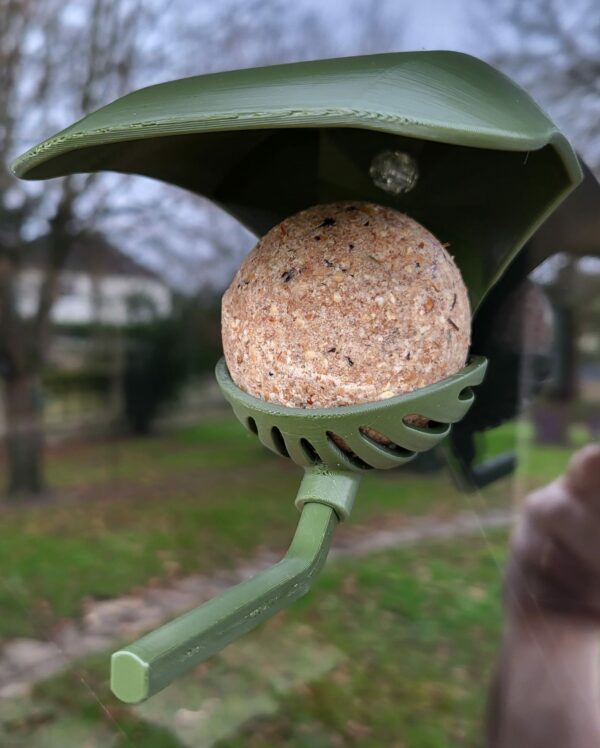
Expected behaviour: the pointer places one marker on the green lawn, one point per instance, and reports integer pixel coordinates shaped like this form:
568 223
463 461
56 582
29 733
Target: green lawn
419 629
200 499
392 650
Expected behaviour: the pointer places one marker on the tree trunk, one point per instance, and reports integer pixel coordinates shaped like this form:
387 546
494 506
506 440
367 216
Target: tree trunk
565 385
24 435
551 420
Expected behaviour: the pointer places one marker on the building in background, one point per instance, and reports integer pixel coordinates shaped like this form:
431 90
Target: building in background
98 285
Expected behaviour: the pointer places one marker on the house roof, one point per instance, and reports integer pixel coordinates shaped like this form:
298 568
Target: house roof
92 253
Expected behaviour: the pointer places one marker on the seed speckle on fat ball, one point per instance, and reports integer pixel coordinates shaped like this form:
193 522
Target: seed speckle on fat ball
345 303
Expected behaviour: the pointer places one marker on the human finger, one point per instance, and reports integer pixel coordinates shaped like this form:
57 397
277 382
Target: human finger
582 477
559 513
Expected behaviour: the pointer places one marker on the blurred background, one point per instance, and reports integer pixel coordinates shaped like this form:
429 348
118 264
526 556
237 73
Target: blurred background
128 491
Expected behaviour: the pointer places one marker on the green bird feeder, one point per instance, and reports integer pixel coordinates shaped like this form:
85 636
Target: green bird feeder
440 136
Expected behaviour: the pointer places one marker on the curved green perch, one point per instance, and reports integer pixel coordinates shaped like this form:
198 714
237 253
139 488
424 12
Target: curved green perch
154 661
325 497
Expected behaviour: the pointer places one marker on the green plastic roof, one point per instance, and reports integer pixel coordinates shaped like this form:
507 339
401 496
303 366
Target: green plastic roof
444 96
265 142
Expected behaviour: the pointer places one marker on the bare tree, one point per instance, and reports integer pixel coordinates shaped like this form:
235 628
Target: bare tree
553 49
60 59
54 56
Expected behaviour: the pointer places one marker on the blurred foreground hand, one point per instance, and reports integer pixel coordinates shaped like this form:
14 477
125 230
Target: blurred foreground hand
546 690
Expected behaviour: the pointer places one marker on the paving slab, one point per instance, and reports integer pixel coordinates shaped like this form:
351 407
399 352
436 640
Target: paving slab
246 682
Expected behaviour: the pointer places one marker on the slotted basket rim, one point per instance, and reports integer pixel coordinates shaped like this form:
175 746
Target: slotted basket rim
225 381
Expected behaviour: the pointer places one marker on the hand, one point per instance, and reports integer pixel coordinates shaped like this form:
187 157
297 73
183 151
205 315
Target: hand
554 566
545 691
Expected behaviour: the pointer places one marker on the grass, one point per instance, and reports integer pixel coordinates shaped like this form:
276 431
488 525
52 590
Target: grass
216 444
198 500
142 511
419 627
415 631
